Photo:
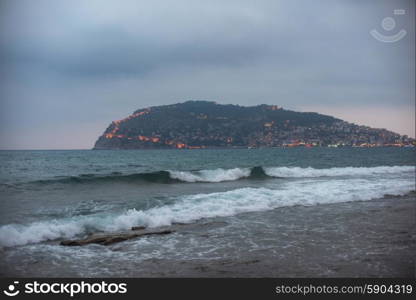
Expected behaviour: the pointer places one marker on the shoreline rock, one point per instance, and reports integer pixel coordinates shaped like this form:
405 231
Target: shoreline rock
111 238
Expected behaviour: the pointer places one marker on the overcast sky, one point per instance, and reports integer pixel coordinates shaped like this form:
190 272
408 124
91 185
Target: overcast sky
68 68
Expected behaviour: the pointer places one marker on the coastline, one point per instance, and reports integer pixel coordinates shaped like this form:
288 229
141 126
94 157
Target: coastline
375 238
247 148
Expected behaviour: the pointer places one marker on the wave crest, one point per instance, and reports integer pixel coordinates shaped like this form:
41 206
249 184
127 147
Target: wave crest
217 175
221 175
297 172
191 208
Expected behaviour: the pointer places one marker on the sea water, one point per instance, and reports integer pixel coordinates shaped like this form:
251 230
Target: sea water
49 196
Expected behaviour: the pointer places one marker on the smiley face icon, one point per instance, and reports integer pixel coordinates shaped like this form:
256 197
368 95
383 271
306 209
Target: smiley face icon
388 24
11 290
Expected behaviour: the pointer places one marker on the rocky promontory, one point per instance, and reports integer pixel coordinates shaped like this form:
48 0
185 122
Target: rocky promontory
205 124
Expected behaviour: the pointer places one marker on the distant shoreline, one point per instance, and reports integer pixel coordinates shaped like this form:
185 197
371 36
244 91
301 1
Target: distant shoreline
253 148
207 148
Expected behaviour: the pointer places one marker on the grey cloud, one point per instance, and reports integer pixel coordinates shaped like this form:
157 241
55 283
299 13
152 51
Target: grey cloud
100 60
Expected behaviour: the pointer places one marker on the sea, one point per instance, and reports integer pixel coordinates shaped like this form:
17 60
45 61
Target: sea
236 212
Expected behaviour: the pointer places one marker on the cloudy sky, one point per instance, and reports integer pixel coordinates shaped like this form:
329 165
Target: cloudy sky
68 68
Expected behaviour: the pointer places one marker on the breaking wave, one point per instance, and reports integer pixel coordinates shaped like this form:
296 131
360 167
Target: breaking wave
221 175
297 172
217 175
191 208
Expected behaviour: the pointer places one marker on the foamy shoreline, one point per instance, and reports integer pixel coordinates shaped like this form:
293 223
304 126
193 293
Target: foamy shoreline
355 239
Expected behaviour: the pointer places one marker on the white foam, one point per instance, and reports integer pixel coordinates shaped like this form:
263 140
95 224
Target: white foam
194 207
298 172
233 202
217 175
220 175
13 235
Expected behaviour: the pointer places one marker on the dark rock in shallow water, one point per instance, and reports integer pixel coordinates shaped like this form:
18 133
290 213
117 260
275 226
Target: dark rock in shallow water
138 231
111 238
138 228
257 172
